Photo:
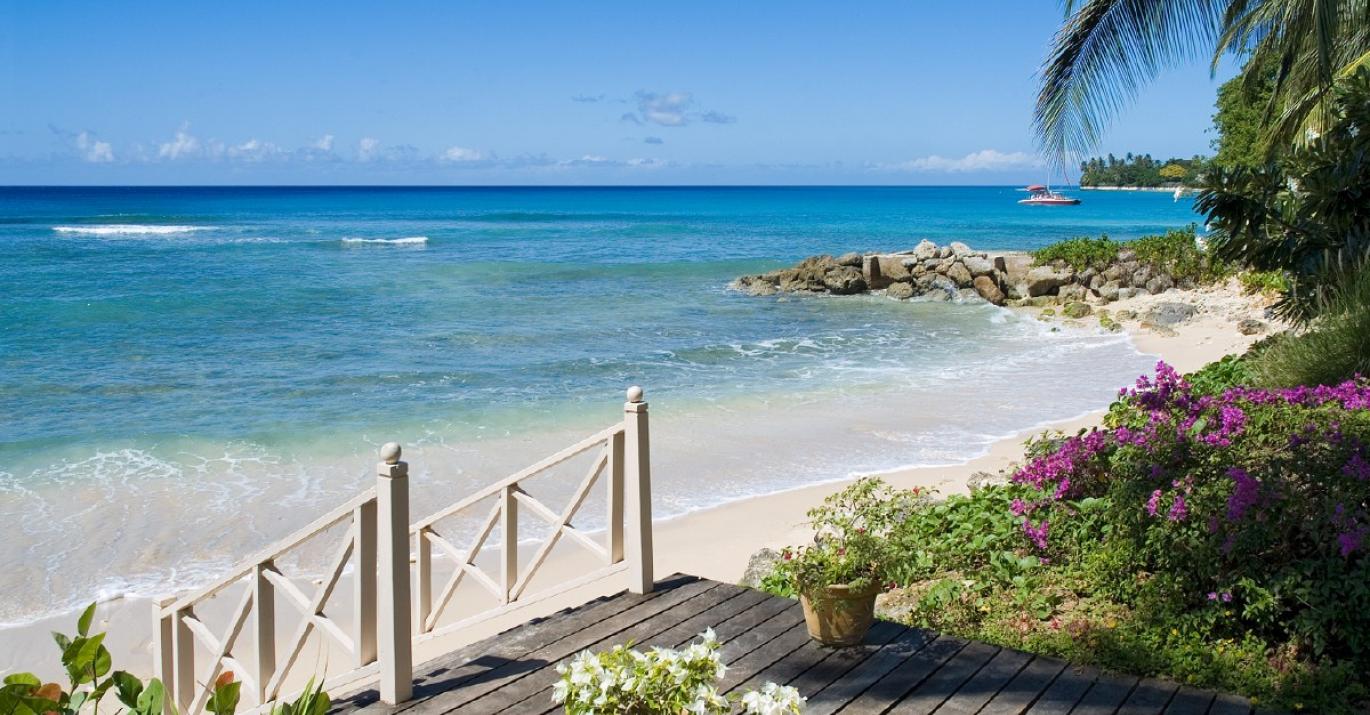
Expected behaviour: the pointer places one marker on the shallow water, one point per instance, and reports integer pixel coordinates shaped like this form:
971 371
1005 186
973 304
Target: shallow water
187 373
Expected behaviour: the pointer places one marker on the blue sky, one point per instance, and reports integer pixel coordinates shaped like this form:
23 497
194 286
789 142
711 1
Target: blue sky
484 92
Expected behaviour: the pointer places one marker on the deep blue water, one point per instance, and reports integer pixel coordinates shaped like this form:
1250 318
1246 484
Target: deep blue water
186 346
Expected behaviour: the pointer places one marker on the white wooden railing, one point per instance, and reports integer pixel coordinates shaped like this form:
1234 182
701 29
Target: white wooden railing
386 623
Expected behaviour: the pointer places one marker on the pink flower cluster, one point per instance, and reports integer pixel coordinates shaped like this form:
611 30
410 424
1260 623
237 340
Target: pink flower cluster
1179 421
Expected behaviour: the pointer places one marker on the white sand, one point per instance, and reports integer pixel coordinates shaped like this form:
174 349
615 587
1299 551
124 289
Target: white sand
714 543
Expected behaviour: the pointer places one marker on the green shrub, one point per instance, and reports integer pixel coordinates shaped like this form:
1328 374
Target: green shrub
1178 253
1079 253
1335 348
1263 282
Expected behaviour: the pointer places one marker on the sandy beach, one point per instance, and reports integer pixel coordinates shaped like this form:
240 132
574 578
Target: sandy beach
718 542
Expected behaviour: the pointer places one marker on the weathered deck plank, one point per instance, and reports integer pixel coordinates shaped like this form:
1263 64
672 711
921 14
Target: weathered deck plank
763 639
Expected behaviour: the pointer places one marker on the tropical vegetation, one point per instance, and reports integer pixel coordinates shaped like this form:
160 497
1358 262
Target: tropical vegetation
1176 253
1213 530
1107 50
662 680
91 677
1142 171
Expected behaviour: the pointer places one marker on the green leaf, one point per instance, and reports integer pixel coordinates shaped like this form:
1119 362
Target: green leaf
224 701
61 640
83 624
150 702
82 654
23 679
127 687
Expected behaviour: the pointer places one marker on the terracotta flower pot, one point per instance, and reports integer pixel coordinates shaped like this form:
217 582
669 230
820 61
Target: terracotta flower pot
839 615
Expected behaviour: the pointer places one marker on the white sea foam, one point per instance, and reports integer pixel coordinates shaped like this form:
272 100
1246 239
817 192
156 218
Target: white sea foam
129 229
406 241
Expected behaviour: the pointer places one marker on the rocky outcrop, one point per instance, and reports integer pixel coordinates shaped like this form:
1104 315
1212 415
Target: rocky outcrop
759 566
953 272
958 272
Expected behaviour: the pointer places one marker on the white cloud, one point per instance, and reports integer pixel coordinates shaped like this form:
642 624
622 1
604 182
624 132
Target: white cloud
368 148
461 153
671 109
183 145
983 160
324 143
93 150
254 150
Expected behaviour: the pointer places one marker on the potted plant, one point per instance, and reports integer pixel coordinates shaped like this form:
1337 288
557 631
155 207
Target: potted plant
838 576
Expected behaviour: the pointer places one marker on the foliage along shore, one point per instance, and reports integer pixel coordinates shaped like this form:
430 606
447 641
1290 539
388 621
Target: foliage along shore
1078 272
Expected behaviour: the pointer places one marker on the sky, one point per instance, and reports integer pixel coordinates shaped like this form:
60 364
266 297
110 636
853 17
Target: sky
480 92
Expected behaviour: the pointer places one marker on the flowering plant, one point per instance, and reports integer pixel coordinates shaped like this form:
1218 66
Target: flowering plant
851 539
1240 509
661 680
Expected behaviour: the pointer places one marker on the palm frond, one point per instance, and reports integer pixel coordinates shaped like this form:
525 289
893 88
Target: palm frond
1106 51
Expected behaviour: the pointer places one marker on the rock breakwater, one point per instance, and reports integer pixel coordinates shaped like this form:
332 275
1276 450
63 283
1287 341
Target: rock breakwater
958 272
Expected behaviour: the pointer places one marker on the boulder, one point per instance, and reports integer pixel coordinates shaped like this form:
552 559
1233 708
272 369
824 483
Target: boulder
932 264
957 272
1141 276
960 250
1045 279
754 285
1076 310
1110 290
985 286
967 295
1096 282
1160 284
980 480
1168 314
924 250
1113 273
1071 292
759 566
1125 315
1251 326
944 252
849 259
937 296
978 266
844 280
892 268
900 291
870 269
1015 266
1041 301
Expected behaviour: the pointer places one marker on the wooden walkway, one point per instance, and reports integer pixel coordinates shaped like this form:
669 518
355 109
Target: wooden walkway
896 670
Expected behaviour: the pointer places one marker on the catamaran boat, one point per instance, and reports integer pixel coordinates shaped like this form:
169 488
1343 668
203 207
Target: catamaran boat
1039 195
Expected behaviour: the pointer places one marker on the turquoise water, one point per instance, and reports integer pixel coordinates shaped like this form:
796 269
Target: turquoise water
230 358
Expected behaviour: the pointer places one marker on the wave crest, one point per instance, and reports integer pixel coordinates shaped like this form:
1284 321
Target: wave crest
129 229
406 241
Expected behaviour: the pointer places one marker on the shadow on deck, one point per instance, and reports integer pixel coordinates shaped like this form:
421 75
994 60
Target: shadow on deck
897 669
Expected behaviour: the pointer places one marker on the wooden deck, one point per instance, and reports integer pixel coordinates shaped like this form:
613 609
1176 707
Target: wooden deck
896 670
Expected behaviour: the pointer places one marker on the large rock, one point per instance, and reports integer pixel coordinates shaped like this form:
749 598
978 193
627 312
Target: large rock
978 265
1076 310
900 291
1109 291
1045 279
1251 326
849 259
960 250
1168 314
1072 291
870 269
844 280
892 267
985 286
958 273
924 250
759 566
754 285
1160 284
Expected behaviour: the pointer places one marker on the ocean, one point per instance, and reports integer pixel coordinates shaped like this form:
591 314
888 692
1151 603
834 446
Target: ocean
189 373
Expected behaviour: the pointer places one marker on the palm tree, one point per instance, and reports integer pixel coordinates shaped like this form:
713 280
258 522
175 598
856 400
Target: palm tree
1108 49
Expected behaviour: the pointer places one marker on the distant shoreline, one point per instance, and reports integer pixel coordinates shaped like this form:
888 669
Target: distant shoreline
1167 189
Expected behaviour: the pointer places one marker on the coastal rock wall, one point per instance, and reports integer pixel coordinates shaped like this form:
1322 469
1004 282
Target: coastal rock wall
958 272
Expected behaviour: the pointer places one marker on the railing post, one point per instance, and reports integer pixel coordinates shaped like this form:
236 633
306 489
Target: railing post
364 585
509 520
424 578
164 651
264 632
638 493
185 660
396 642
616 497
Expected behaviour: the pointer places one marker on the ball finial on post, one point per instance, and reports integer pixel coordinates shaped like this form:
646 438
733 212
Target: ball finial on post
390 453
635 394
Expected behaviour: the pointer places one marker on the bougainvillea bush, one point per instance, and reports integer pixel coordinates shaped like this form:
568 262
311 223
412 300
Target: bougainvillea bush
1209 532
